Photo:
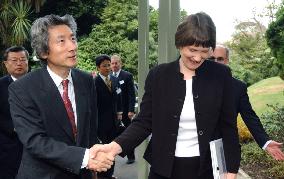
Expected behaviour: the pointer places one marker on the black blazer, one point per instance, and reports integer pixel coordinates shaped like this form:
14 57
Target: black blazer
128 91
42 123
161 107
10 146
243 107
109 103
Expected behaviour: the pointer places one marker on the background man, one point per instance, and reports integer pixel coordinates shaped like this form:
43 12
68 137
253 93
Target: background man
16 62
54 108
128 95
243 106
109 105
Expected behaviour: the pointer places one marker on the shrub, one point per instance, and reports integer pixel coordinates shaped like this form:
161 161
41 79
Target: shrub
244 134
273 122
252 154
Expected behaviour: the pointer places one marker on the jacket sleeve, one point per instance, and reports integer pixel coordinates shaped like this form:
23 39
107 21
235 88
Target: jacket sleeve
31 131
228 126
141 126
250 118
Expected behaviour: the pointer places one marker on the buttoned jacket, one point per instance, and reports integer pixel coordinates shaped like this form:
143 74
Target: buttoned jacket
160 110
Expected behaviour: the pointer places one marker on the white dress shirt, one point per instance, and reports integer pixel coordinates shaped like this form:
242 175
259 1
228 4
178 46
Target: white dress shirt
187 144
71 94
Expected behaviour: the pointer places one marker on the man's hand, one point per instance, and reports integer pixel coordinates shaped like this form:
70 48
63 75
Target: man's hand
101 162
274 149
231 176
111 149
131 115
119 116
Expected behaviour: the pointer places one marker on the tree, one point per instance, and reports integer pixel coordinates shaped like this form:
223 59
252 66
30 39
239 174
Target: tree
14 21
275 39
86 12
251 57
116 34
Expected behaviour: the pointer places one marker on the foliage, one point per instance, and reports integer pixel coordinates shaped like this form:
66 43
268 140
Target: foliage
118 34
244 134
86 12
252 155
275 38
251 59
14 22
273 121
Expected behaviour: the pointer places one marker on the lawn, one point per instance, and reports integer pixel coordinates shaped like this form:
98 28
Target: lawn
268 91
255 162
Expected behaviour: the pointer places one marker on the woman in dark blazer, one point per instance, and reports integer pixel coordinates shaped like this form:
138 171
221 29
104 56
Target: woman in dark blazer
187 103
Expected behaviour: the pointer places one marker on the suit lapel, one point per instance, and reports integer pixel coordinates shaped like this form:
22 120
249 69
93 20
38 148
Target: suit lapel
81 104
9 80
104 84
54 103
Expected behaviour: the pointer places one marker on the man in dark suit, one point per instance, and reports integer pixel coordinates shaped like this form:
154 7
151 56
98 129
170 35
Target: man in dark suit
109 105
54 108
128 95
16 62
243 106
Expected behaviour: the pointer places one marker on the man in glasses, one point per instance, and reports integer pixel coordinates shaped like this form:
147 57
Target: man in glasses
243 106
16 62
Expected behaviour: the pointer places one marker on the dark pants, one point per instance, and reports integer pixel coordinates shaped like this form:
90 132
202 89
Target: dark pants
126 121
184 168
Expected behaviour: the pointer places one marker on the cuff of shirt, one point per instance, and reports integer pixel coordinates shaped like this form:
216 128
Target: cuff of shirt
85 159
266 144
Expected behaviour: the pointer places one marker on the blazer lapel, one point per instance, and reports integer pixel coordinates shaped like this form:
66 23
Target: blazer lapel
81 104
54 103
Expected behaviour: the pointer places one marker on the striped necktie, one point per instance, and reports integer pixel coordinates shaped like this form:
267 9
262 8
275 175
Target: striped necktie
108 83
68 107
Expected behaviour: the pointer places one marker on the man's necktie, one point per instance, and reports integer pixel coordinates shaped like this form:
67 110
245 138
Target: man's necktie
68 107
108 83
115 74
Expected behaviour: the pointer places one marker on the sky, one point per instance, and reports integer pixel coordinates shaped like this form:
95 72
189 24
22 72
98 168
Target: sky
224 13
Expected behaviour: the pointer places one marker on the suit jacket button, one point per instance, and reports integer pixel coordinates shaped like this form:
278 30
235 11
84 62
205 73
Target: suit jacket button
173 134
200 132
175 116
195 96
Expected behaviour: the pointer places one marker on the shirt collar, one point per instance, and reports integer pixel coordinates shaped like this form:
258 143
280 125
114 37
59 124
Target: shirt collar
13 78
103 77
117 73
57 79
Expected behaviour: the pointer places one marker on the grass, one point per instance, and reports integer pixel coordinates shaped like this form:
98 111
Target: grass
267 91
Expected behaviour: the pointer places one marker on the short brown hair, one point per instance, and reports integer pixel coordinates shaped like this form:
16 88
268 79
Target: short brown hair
197 29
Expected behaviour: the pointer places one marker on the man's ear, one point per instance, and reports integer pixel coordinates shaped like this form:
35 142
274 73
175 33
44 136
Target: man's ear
5 63
44 55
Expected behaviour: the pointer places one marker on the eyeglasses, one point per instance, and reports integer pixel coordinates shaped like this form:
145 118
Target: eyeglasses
218 59
16 60
105 65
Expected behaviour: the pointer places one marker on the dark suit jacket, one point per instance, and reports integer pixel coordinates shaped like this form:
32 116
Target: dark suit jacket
10 146
128 91
161 107
41 121
243 107
109 103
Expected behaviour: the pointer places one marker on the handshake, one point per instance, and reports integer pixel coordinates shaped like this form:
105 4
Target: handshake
101 157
